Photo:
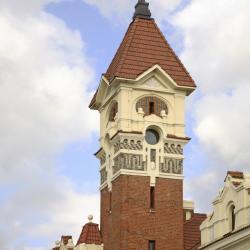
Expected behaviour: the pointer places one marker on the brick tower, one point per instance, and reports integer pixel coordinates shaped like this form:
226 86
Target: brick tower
141 101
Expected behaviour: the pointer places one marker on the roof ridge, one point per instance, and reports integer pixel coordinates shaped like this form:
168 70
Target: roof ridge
174 54
129 43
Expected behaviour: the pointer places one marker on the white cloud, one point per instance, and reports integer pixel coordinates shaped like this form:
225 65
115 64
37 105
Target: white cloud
123 9
216 42
43 89
216 52
30 7
44 81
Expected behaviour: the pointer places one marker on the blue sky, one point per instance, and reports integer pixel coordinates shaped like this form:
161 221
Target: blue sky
51 61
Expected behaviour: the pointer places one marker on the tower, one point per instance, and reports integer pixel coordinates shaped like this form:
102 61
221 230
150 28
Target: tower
141 100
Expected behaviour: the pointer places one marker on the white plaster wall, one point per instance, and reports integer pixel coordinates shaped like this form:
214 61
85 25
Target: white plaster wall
88 247
217 225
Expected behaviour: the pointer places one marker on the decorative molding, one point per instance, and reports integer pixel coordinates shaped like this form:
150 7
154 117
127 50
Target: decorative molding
152 83
104 175
173 149
172 166
103 158
127 144
129 162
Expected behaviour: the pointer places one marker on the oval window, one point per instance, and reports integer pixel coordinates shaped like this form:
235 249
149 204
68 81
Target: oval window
152 137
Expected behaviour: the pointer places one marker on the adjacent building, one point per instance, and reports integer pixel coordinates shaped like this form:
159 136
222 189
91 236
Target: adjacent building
89 239
228 227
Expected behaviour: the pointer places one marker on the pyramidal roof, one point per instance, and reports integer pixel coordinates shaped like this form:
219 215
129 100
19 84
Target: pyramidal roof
144 46
90 235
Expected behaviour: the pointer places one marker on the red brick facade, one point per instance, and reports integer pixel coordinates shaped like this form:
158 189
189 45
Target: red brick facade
130 224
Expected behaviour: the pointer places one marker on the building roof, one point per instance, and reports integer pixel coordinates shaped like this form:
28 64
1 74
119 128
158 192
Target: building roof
90 234
192 234
235 174
65 239
144 46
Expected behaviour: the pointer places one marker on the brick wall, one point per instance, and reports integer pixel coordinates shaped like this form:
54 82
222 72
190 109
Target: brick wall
130 225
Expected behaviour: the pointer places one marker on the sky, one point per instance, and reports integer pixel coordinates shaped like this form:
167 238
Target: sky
52 55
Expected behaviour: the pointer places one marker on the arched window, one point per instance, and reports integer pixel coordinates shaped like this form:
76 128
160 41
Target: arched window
232 218
151 105
113 111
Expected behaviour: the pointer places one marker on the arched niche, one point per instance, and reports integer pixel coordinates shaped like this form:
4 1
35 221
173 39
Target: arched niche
231 216
152 105
113 111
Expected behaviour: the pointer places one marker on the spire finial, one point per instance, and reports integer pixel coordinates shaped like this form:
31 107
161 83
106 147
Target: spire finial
90 218
142 10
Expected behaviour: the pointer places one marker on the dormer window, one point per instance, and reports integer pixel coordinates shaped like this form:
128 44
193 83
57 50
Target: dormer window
113 111
151 105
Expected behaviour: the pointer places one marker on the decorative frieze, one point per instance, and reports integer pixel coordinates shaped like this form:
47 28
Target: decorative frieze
104 175
173 149
129 162
127 144
171 166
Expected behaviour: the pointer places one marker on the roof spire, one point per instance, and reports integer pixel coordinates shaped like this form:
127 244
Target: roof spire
142 10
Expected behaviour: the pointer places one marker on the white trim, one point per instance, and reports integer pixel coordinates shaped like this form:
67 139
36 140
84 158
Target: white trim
171 176
230 241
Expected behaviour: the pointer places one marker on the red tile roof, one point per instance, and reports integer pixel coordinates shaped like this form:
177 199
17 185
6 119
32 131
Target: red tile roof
90 235
144 46
192 234
235 174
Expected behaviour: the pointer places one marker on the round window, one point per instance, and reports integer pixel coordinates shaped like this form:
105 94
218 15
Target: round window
152 137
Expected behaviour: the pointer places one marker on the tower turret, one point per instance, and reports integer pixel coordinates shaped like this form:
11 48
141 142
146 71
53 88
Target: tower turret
141 100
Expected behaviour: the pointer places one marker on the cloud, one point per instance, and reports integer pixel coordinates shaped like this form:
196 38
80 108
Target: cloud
216 38
44 80
30 7
43 89
123 9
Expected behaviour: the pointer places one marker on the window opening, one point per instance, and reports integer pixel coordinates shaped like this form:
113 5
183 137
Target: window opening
151 245
113 112
152 197
233 217
151 108
152 137
110 201
152 105
153 155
